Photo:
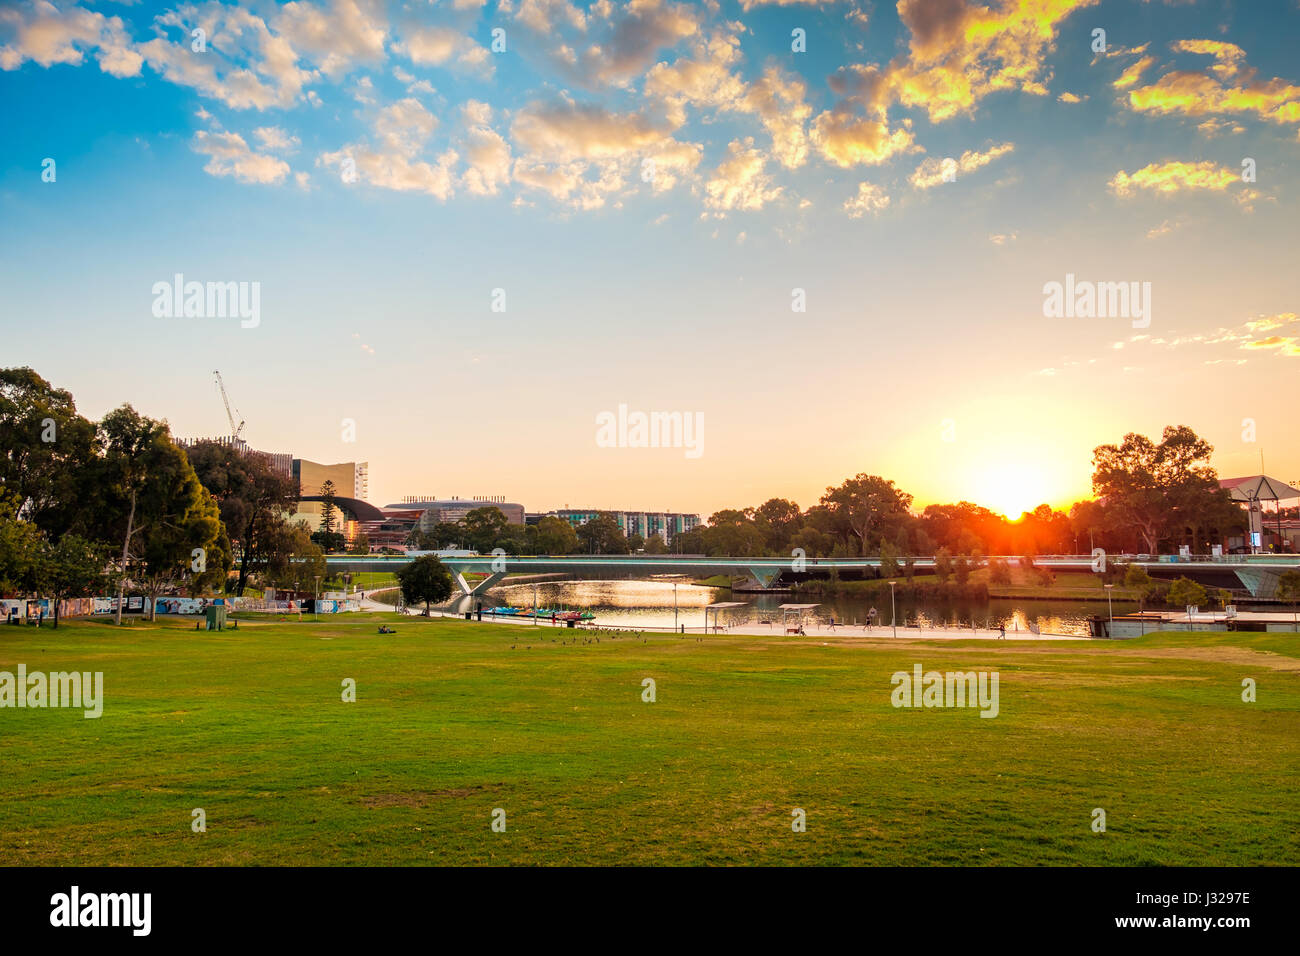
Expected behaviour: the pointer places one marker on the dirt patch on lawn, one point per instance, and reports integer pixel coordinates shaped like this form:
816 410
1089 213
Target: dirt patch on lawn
1246 656
422 798
1115 650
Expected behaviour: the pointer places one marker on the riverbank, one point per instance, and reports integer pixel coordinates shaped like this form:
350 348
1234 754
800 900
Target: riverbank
777 628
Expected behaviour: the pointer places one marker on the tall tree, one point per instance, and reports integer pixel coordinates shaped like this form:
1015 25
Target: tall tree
44 447
602 535
293 560
1155 488
327 506
20 542
864 506
555 536
425 579
253 497
187 538
779 519
153 499
329 540
733 533
73 567
484 527
132 446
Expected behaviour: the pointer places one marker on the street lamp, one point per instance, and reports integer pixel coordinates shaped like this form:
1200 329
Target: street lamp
893 619
674 605
315 607
1110 609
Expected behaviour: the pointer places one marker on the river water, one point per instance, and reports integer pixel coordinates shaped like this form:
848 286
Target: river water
650 604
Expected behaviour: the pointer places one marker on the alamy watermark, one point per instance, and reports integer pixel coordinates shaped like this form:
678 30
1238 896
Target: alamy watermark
624 429
179 299
1098 300
75 908
57 689
951 689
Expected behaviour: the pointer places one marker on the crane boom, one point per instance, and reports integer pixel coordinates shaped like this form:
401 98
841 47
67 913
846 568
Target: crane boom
235 430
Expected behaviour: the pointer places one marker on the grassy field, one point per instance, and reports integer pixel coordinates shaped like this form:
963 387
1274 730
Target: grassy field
371 579
454 719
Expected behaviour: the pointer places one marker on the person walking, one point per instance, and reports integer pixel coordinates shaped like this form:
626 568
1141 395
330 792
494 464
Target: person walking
1002 631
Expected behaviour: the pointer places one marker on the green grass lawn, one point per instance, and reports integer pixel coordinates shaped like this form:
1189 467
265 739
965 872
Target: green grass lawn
454 719
371 579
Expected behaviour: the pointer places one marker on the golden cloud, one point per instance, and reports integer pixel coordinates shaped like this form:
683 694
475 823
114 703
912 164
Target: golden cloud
1285 344
931 172
1173 177
1233 89
960 53
870 199
739 181
1134 72
564 130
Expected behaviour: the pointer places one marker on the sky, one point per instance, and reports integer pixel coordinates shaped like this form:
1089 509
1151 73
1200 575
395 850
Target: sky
826 231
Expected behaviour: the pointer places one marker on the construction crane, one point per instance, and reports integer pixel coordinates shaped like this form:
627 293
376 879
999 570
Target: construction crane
236 431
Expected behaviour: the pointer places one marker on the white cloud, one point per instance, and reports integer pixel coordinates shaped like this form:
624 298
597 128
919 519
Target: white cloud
739 182
42 33
870 199
229 155
274 138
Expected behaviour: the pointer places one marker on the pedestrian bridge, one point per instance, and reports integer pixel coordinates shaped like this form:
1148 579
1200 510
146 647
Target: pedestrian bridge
1256 573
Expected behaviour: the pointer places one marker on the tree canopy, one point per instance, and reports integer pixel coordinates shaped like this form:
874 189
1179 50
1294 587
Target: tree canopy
425 580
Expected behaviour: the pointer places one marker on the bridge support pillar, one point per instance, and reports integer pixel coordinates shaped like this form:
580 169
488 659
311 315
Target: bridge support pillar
1260 582
765 576
480 588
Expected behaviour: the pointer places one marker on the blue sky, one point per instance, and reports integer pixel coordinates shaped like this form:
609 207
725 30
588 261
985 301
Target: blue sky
923 354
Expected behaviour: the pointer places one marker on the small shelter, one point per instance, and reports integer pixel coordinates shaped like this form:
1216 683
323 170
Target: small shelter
715 608
788 609
1253 491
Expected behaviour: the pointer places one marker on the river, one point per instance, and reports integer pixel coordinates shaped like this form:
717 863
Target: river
650 604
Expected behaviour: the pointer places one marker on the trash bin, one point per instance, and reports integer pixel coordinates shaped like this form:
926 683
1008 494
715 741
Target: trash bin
570 623
469 615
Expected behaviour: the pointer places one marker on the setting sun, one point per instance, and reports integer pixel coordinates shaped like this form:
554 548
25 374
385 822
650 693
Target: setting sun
1014 488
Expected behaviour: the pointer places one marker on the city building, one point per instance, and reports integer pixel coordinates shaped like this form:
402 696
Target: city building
664 524
279 461
351 483
391 531
442 510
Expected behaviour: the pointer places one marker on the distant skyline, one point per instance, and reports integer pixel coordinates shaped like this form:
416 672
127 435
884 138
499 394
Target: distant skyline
647 188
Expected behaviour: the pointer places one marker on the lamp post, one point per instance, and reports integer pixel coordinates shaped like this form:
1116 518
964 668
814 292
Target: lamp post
893 619
674 605
534 605
315 607
1110 608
